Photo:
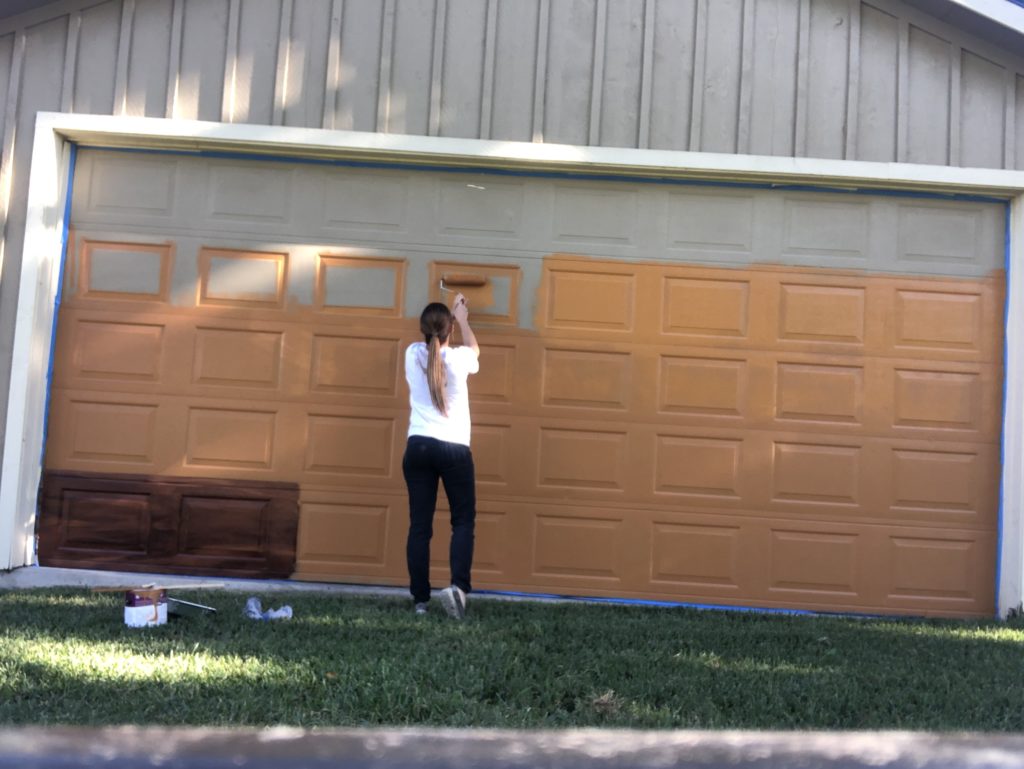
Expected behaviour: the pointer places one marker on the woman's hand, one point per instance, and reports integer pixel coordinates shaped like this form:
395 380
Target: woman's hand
461 312
460 309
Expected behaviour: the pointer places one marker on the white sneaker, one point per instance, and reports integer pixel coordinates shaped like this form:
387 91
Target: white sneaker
421 608
454 602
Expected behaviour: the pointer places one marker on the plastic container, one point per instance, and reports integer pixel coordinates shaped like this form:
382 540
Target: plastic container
145 608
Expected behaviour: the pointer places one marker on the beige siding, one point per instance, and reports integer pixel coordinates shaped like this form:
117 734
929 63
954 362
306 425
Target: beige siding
819 78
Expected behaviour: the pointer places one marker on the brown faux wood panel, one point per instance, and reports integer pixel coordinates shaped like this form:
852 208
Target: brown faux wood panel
243 358
769 436
176 525
117 350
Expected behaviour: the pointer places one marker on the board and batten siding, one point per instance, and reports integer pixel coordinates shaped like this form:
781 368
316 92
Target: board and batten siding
851 79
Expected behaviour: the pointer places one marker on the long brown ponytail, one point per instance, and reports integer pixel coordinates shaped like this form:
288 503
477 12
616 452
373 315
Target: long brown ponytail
436 325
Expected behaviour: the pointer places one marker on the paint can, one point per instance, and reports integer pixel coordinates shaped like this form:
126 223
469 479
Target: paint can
145 608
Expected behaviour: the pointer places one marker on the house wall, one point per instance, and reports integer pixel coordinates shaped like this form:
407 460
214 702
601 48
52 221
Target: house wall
810 78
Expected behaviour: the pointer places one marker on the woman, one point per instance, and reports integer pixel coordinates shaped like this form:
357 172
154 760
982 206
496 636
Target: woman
438 448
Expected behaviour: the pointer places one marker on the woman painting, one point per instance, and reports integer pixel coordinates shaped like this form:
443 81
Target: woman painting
438 449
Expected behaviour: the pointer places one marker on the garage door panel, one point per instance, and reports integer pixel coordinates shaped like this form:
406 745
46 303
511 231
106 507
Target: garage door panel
241 194
348 533
955 484
332 373
111 349
360 285
242 278
124 270
110 432
814 564
595 379
695 385
695 555
828 393
937 232
945 320
932 569
717 222
126 188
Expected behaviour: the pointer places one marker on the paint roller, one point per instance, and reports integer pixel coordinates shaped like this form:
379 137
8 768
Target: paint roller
461 280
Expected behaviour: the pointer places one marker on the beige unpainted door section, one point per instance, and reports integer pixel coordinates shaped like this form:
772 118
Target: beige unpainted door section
712 395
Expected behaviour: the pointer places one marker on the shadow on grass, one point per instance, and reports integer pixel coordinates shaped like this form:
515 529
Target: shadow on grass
369 661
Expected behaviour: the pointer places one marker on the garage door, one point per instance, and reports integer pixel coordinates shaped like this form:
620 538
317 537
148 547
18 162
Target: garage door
726 395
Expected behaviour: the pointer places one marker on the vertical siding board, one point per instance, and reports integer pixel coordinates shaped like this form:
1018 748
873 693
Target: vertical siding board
123 48
1020 123
621 97
203 50
384 79
646 76
487 86
877 86
720 114
928 107
256 62
746 78
359 67
463 71
598 73
540 71
700 43
852 82
983 134
230 97
903 93
436 67
1011 147
516 60
672 73
802 76
307 67
333 75
412 56
773 80
827 78
6 67
282 97
954 89
9 127
67 95
148 57
11 87
96 65
570 63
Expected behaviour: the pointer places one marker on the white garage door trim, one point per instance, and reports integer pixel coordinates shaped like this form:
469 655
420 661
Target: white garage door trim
46 219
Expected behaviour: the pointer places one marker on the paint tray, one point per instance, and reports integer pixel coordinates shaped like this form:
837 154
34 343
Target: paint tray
180 608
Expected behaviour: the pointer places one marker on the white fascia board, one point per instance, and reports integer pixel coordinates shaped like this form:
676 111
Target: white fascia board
47 197
20 466
190 135
1011 577
1003 12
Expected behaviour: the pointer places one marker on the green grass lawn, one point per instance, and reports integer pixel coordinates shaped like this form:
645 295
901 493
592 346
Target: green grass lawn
67 658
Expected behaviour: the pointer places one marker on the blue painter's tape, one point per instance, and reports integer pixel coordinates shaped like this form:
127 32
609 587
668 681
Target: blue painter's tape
60 292
679 605
1001 509
573 175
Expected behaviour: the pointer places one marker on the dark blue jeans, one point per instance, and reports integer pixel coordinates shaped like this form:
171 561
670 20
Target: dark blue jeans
426 461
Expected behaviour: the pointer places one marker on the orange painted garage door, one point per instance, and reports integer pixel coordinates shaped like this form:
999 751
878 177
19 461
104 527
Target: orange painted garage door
749 397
